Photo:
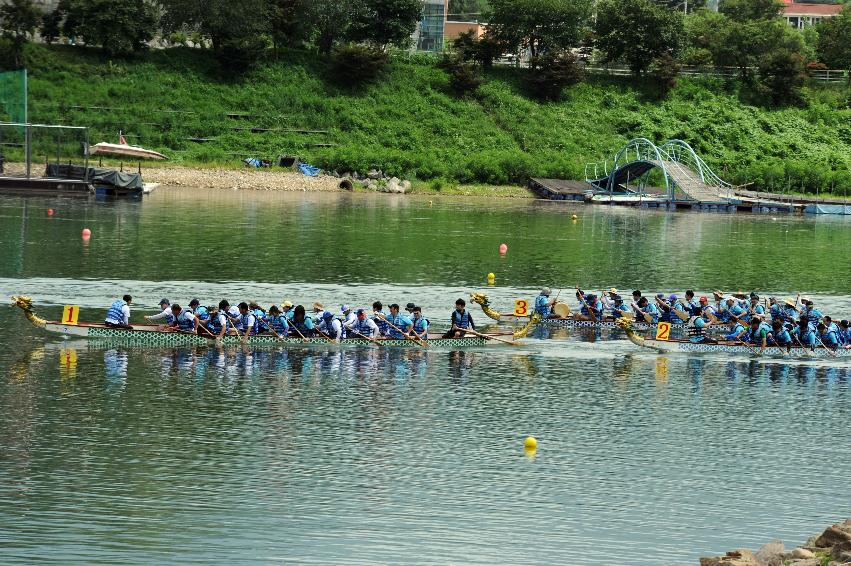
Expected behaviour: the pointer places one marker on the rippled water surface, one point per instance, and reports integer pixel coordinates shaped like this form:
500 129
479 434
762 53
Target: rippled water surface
133 455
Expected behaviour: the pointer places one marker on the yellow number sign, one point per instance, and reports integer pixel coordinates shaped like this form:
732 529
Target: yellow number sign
70 314
68 362
521 308
663 331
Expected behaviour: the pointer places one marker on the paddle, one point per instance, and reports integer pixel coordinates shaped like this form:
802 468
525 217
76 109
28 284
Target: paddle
373 340
488 337
417 341
829 351
647 317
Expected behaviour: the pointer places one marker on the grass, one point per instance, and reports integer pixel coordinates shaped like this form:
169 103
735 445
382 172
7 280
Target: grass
408 124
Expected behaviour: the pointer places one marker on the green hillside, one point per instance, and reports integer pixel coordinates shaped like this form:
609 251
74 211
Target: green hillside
410 125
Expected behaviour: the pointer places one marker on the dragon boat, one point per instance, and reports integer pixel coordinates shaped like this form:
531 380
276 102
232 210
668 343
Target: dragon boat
153 335
684 345
571 320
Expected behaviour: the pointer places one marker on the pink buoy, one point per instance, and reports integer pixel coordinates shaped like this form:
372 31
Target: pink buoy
503 248
87 233
50 212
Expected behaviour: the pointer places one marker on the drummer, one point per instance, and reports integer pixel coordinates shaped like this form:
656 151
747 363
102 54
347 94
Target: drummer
543 303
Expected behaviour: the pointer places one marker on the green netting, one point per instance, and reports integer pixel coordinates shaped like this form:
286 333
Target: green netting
13 96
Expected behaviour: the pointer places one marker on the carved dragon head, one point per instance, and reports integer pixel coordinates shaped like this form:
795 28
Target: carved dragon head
22 302
480 298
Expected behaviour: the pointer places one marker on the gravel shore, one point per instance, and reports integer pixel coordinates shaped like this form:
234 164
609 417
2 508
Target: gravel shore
252 179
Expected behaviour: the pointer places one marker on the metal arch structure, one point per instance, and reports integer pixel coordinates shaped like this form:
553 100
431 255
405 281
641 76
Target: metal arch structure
679 164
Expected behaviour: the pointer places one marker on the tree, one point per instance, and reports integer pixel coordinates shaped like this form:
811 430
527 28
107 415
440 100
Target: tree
328 22
781 76
385 22
286 22
552 72
749 10
467 10
19 19
834 45
637 31
117 26
538 25
745 45
237 32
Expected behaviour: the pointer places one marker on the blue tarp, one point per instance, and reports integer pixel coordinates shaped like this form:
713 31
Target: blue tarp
309 170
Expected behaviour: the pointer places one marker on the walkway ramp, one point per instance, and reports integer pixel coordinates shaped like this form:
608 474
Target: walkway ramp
686 177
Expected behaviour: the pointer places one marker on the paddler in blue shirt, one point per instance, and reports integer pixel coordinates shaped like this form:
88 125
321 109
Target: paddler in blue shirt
827 337
754 308
200 312
804 334
779 334
707 310
774 309
247 321
400 325
813 314
618 307
590 307
697 327
277 321
845 333
645 311
419 324
543 303
692 307
738 330
287 309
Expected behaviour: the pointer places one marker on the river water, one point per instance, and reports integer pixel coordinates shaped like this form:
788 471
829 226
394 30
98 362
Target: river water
123 455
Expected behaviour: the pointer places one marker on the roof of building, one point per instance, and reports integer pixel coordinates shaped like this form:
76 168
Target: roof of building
798 9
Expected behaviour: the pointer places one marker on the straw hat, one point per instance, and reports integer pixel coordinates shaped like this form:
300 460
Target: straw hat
318 306
789 302
287 304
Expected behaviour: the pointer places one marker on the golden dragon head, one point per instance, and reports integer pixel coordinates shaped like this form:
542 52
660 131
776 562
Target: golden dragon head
22 302
480 298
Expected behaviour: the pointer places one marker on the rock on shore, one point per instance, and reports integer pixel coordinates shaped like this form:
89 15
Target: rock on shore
833 546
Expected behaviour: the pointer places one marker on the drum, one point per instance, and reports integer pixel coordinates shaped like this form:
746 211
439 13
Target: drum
561 310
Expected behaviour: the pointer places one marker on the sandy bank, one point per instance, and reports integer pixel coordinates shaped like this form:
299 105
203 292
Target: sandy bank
220 178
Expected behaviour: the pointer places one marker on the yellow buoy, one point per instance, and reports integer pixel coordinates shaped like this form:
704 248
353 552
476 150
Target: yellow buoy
530 443
574 217
491 278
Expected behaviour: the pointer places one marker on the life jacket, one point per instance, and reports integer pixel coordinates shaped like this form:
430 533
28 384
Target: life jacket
813 316
330 331
541 305
420 324
781 338
399 322
695 333
827 340
652 311
460 320
755 336
279 324
362 327
185 323
202 314
383 327
215 323
115 313
302 327
243 323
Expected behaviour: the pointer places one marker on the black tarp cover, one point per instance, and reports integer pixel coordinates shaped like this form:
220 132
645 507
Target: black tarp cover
96 175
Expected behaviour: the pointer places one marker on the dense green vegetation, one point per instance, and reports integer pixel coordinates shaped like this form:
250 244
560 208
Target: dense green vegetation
410 123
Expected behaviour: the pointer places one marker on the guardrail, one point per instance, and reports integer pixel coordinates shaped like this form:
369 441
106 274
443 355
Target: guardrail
823 75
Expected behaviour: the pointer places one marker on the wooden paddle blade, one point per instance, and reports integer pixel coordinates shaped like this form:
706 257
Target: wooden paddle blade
682 314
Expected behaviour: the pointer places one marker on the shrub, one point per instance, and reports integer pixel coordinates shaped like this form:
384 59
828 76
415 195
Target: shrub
551 73
354 65
464 77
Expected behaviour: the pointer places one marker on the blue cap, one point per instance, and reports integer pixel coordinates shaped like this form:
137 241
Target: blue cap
164 302
344 308
327 315
672 298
